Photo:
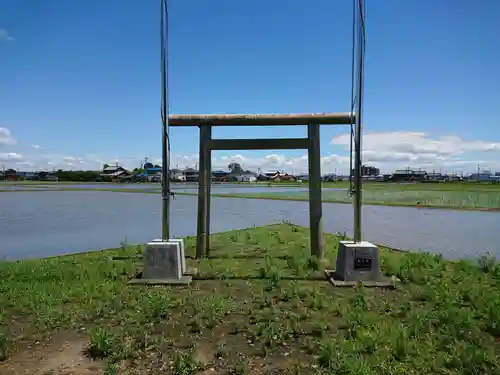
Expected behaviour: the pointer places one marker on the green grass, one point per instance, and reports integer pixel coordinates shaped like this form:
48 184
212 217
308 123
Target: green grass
392 197
466 195
432 186
260 306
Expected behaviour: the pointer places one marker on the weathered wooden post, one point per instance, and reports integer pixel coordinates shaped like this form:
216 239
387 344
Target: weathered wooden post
208 160
315 201
203 177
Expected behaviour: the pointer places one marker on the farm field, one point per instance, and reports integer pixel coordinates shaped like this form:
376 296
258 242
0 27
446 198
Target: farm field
445 195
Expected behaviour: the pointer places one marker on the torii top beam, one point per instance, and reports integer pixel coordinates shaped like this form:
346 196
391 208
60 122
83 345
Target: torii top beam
345 118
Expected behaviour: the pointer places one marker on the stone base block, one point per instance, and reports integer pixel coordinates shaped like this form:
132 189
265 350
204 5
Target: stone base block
162 260
358 262
384 282
184 280
181 248
164 264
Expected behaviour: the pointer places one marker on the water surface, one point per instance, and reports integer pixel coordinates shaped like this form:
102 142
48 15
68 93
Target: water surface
39 224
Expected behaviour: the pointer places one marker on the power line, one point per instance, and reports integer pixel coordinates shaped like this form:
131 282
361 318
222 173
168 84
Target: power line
353 58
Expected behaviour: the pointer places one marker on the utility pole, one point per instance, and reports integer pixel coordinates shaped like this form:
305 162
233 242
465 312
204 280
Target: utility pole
358 164
165 143
478 168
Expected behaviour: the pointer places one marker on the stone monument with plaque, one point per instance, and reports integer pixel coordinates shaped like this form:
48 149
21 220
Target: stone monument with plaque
164 263
358 262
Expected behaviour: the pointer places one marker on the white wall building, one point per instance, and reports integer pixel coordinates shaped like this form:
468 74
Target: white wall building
246 178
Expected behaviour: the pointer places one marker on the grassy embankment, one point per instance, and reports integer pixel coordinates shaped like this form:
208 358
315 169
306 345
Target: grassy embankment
260 306
465 196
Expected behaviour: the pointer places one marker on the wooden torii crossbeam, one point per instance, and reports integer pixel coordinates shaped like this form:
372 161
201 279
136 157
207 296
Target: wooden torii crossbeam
311 143
261 119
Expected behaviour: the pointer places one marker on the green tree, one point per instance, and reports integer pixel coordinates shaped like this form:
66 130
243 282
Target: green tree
80 176
235 168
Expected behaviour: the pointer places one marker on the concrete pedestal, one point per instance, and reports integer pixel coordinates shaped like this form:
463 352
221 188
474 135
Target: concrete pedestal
181 246
358 262
164 263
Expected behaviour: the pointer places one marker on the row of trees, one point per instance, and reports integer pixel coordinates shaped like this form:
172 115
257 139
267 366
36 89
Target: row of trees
77 176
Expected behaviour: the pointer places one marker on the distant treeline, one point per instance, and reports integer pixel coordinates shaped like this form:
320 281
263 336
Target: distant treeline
81 176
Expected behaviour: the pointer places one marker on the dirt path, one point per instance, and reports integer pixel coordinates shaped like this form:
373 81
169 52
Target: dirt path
61 354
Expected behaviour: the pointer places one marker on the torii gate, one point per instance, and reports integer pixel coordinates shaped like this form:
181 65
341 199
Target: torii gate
205 122
311 144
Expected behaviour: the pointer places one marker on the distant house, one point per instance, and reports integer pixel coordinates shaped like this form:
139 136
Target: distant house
367 170
285 177
113 173
11 175
303 177
436 176
47 176
275 176
31 176
192 175
176 175
153 174
220 176
270 175
484 176
408 175
330 177
246 176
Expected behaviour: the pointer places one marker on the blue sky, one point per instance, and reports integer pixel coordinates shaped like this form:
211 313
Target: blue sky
80 80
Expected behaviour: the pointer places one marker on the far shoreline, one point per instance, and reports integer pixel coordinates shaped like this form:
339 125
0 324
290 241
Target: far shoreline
154 190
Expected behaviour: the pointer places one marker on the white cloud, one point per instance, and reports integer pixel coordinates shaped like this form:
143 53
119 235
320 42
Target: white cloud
386 150
5 35
36 147
73 162
287 163
6 137
391 150
387 161
290 164
11 157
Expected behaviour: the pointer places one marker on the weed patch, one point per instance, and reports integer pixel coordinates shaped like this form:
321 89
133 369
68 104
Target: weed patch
258 306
